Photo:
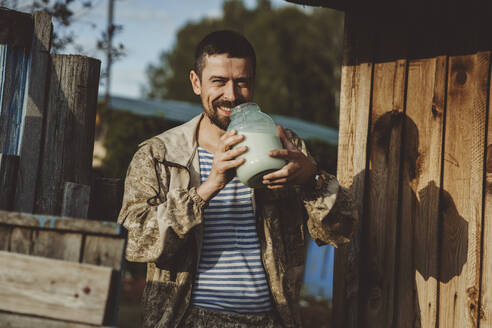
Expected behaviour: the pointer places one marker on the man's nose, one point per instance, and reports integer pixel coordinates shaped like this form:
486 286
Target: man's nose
230 91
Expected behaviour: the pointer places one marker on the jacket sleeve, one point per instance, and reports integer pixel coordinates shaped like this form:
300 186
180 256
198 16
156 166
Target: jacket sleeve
331 216
158 220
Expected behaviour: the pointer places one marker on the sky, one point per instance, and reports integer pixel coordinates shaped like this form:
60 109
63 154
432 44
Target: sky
149 27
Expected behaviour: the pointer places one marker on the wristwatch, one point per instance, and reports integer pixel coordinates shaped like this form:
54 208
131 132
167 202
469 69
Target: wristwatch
318 180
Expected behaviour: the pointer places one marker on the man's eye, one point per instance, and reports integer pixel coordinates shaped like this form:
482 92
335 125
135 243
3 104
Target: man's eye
218 81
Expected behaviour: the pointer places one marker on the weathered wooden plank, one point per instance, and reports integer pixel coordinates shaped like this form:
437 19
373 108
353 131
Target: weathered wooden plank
352 151
12 320
106 251
21 241
69 130
33 118
57 245
3 60
463 190
15 28
5 232
14 87
41 286
8 176
59 223
76 199
379 247
418 273
485 317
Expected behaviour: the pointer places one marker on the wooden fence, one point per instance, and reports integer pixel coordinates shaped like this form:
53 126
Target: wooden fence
415 149
56 271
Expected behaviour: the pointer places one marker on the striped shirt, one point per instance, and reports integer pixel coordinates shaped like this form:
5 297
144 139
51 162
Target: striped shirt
230 274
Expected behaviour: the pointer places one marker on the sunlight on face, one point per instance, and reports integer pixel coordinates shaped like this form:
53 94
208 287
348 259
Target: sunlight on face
226 82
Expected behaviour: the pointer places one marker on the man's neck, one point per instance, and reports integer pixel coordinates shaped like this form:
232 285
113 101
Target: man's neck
209 135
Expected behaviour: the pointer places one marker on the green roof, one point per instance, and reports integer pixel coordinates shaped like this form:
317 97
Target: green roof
180 111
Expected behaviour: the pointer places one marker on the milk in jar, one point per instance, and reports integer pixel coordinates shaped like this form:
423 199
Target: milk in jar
260 136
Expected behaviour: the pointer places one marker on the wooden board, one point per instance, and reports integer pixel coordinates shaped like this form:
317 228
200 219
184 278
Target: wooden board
14 86
57 245
21 240
8 176
486 287
103 251
35 108
76 198
379 245
5 237
69 130
15 28
12 320
462 195
40 286
351 171
418 274
59 223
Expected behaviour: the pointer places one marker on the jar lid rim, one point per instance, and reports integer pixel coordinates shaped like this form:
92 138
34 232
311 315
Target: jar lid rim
245 104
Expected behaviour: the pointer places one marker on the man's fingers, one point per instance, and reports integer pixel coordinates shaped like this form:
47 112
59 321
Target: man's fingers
286 171
231 141
276 181
285 141
283 153
273 187
233 153
232 164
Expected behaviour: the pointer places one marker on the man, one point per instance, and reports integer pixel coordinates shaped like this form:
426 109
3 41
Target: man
219 254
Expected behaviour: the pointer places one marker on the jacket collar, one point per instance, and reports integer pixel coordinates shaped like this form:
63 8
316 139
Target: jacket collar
181 142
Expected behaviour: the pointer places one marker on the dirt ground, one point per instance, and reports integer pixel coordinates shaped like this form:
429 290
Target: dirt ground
315 313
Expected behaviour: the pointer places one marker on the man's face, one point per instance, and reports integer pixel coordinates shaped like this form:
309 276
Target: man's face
225 83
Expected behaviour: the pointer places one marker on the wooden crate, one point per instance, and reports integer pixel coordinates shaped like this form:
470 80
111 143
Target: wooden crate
58 271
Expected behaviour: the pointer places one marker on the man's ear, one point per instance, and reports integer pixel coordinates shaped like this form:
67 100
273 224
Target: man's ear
196 83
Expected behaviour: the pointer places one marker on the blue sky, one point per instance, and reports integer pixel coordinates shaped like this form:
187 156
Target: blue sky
149 27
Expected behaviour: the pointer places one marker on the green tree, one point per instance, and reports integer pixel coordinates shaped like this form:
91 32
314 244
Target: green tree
298 59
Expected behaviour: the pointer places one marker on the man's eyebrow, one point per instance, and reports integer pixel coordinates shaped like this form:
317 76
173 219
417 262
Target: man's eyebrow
217 77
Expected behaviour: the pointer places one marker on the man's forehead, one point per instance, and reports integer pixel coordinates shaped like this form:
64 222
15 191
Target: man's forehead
222 62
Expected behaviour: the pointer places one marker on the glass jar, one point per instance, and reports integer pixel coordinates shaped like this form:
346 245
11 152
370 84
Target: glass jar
260 135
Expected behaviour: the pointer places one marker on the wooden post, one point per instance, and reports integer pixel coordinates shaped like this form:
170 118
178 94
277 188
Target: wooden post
8 176
35 108
13 82
75 200
355 102
69 129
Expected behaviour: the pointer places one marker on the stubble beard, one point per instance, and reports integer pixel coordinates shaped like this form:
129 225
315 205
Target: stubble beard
213 115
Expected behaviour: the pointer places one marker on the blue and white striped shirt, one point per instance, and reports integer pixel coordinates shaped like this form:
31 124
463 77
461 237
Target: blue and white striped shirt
230 275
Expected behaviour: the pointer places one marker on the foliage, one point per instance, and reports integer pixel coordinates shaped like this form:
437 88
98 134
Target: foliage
298 59
123 132
64 13
324 154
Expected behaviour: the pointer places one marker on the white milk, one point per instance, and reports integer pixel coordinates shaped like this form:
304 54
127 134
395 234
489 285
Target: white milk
258 162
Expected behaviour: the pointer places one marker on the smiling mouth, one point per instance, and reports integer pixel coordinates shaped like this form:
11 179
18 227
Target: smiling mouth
227 110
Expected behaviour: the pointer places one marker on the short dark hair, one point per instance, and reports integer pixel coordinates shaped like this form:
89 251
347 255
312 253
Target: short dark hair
223 42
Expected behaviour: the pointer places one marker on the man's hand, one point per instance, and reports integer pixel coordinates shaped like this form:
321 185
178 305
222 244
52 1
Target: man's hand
298 170
223 165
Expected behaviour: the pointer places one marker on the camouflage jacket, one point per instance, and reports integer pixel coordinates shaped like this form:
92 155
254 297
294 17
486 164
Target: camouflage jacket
163 215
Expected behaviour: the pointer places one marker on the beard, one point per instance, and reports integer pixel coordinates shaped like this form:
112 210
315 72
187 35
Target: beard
221 122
